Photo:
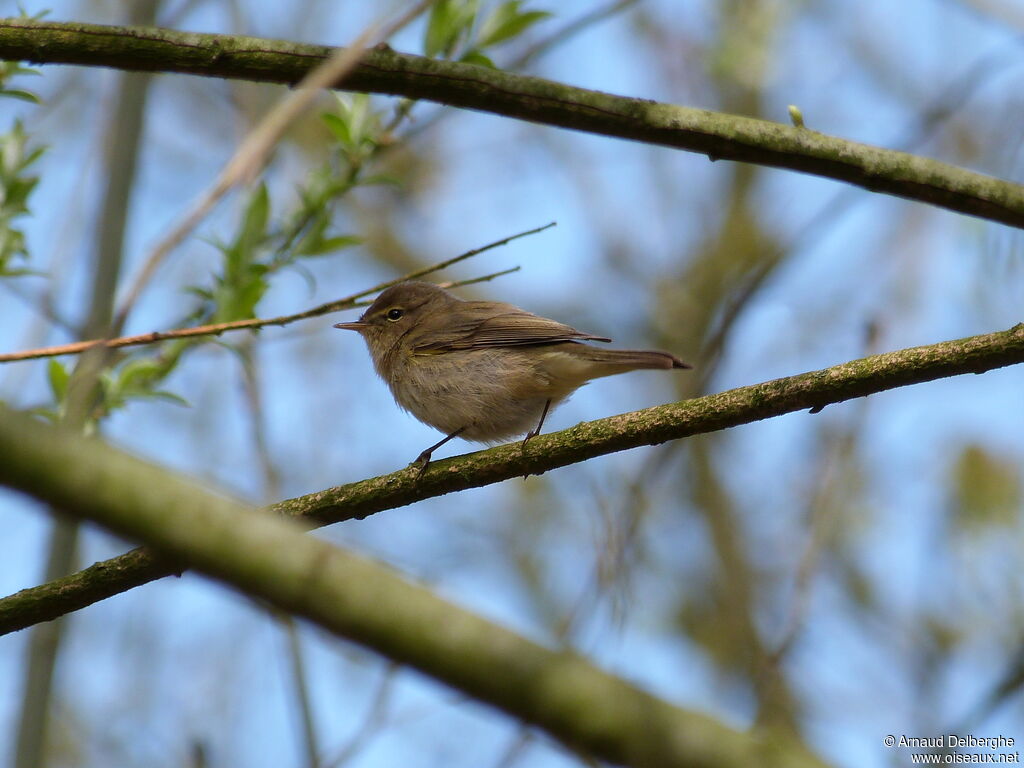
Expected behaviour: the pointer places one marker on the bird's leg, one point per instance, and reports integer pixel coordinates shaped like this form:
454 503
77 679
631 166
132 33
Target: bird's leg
423 460
536 431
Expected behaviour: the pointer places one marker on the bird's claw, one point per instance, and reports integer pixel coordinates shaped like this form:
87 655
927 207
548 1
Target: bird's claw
422 462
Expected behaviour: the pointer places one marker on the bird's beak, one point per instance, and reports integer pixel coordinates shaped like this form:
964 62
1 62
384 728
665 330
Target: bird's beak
358 326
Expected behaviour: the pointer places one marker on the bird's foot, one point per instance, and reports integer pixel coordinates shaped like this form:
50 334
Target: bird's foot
421 463
522 446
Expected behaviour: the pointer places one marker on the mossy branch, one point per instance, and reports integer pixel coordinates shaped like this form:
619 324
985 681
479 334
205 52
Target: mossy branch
718 135
808 391
592 712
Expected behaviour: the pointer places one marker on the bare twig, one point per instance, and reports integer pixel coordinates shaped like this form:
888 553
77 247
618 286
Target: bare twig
571 29
375 718
216 329
476 280
297 661
820 519
445 264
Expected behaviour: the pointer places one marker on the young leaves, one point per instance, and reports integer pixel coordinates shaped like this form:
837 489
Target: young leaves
508 20
9 69
15 187
455 31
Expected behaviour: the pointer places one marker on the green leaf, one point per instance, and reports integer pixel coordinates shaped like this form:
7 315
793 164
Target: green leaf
254 223
507 21
112 396
354 124
203 293
986 489
59 378
360 118
23 14
338 127
21 272
449 23
475 57
329 245
136 373
239 302
241 283
15 189
137 379
439 29
22 95
162 394
9 69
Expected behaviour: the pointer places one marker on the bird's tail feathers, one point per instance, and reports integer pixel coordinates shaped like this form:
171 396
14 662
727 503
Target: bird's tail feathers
630 359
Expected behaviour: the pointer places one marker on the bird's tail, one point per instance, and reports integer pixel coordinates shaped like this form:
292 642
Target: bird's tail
622 360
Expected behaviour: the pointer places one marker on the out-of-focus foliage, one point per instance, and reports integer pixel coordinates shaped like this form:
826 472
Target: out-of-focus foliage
16 185
986 489
457 30
9 69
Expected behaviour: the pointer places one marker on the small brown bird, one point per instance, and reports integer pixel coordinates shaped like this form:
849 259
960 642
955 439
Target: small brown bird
482 370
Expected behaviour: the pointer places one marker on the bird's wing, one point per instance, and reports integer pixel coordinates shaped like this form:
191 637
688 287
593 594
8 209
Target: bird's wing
504 326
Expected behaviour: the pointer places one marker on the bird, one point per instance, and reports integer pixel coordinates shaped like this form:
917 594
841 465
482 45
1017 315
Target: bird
484 371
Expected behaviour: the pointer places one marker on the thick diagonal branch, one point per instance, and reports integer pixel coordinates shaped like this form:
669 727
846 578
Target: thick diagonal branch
595 713
718 135
814 390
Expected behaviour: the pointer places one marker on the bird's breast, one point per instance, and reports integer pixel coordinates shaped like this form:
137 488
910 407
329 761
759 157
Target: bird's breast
491 394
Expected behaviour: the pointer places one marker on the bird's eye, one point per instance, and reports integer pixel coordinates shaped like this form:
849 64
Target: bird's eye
395 314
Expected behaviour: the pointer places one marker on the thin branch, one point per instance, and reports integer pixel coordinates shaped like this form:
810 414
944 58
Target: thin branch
574 27
720 136
587 709
297 661
216 329
373 721
477 280
423 272
808 391
819 519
